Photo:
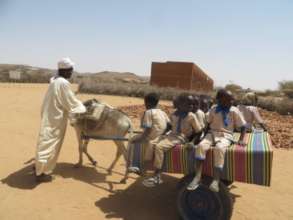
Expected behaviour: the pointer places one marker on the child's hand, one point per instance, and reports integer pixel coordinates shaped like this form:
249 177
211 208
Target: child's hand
190 145
241 143
136 140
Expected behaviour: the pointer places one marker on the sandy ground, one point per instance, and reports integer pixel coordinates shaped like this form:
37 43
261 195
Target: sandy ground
89 192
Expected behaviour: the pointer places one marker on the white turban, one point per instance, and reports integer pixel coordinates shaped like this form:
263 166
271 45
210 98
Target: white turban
65 63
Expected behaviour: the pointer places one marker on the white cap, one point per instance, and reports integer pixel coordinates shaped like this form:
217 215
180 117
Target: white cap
65 63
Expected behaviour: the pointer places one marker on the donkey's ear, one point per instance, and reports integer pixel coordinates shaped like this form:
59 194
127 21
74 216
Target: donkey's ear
88 103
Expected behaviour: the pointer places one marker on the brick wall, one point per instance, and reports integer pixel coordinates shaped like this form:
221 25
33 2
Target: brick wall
180 75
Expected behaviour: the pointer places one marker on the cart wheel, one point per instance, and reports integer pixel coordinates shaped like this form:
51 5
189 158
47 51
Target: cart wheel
202 203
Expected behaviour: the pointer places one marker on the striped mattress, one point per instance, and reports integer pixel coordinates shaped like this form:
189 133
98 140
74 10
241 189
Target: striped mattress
250 164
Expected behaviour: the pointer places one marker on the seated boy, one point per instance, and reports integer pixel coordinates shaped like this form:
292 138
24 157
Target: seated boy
198 112
201 117
205 104
184 124
250 112
154 123
223 118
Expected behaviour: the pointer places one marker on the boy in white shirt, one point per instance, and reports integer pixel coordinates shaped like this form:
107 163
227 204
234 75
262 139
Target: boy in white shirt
184 124
198 112
201 117
250 112
154 123
223 118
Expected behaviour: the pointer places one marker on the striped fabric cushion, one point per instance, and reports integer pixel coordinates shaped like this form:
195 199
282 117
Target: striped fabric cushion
250 164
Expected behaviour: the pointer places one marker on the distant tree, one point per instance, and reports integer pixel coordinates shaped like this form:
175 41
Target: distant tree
286 87
233 88
286 84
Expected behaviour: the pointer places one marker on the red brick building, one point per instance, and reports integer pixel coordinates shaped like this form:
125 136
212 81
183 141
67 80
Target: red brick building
181 75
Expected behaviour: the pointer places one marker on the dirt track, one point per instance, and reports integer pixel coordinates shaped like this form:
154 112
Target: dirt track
90 193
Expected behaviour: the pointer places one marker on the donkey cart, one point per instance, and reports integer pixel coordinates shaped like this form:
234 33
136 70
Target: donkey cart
251 164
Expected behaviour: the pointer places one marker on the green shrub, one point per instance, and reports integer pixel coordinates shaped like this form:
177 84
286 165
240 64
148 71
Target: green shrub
286 87
268 92
288 93
286 84
283 106
128 89
234 88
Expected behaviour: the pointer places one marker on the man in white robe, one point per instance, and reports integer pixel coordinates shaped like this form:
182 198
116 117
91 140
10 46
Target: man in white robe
59 104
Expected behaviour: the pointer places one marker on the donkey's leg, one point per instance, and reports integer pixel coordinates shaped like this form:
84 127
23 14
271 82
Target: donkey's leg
86 142
121 150
124 179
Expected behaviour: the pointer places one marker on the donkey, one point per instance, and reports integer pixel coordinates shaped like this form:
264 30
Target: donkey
102 120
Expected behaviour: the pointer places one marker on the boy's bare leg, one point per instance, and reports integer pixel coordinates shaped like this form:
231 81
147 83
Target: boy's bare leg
215 184
198 172
200 155
158 173
219 159
162 146
158 163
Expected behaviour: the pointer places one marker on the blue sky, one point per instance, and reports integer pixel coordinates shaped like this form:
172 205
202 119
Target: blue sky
245 42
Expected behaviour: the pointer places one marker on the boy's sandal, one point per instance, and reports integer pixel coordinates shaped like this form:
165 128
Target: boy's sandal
152 181
214 187
192 186
135 170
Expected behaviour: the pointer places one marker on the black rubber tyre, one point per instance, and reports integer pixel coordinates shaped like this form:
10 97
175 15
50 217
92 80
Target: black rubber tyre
227 182
204 204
